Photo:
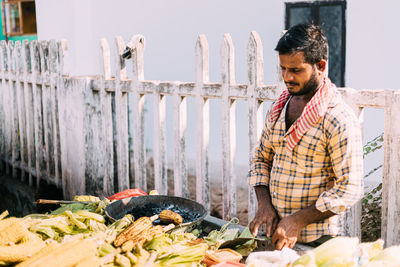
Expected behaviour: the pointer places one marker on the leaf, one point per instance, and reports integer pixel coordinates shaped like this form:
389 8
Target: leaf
246 233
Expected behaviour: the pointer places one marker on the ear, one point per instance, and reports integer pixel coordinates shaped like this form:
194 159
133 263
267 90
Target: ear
321 65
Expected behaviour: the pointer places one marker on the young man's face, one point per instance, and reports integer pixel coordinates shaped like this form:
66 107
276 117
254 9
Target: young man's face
301 78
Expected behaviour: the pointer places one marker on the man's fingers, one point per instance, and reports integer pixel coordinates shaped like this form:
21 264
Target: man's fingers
292 242
274 225
274 238
281 244
268 229
254 226
251 225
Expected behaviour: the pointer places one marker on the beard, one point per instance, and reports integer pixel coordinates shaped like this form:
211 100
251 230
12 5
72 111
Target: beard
310 86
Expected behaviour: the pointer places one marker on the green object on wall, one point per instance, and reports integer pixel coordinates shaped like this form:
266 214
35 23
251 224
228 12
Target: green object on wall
29 37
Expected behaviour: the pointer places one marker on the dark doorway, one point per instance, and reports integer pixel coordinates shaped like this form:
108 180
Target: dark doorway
331 16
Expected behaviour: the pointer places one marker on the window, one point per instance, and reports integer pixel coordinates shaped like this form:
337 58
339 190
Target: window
19 17
331 16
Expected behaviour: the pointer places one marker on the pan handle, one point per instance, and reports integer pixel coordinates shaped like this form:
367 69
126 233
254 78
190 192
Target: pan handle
49 201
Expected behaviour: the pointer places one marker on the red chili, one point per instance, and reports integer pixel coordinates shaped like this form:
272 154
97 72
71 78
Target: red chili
134 192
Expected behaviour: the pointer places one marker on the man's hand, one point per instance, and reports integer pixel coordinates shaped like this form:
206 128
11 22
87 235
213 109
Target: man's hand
289 228
266 213
286 233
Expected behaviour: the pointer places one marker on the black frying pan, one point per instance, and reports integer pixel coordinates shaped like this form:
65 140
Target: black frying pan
191 211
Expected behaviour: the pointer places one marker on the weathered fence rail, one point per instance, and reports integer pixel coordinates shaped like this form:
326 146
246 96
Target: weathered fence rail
86 134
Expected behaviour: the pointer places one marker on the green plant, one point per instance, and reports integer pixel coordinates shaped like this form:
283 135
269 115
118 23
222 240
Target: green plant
371 213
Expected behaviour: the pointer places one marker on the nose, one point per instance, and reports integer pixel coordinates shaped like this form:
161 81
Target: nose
287 76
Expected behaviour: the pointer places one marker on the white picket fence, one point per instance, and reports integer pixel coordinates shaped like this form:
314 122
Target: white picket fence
83 133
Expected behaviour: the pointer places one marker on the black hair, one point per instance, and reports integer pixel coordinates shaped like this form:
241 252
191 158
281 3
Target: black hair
307 38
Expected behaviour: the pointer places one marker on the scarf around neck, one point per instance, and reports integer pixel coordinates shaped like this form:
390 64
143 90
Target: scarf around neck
314 109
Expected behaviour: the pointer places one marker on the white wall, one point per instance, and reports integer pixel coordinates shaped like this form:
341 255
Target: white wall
373 44
171 29
372 61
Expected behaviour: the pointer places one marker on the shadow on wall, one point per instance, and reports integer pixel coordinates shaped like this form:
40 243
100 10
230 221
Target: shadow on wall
18 197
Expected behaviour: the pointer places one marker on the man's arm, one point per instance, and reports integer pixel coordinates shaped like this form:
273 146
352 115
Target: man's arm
346 154
258 178
289 228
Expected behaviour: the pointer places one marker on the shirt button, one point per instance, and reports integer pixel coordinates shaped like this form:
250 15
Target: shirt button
274 193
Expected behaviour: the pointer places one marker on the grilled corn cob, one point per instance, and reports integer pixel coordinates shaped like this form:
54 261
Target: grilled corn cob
158 230
128 246
155 230
135 229
168 216
145 236
11 231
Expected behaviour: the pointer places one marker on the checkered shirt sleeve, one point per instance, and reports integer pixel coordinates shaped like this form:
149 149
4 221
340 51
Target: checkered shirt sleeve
259 172
345 150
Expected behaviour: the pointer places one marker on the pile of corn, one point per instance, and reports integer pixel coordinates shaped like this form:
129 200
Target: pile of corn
78 235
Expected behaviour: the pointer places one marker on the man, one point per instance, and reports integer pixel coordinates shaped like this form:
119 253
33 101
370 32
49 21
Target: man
307 167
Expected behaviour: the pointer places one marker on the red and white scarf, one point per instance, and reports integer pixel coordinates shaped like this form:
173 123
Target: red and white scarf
314 109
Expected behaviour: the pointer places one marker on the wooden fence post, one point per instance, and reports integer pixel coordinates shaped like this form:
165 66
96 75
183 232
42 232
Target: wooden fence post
256 75
121 110
54 106
3 129
160 143
20 108
202 121
46 105
391 171
5 96
37 112
29 109
13 105
228 129
180 125
62 83
107 125
138 100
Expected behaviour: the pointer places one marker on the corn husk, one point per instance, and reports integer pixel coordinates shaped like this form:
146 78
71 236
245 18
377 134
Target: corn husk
369 250
306 260
338 247
387 257
341 262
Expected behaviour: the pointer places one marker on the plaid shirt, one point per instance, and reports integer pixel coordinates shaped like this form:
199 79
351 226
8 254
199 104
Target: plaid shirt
325 166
